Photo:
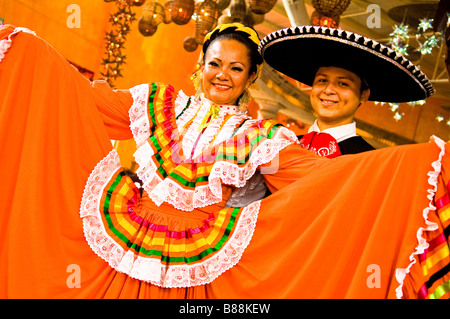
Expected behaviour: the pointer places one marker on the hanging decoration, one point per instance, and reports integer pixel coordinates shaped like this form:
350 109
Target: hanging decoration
330 8
206 18
182 11
399 38
115 40
190 44
426 38
168 12
146 26
426 42
261 6
153 13
136 3
206 14
323 20
327 12
395 108
398 115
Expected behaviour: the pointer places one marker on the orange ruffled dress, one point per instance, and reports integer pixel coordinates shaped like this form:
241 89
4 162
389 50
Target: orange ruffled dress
372 225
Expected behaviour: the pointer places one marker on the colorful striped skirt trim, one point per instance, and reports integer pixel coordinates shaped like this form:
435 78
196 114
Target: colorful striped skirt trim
137 238
435 260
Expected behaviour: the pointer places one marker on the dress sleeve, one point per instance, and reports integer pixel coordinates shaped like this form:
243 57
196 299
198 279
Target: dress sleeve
291 164
113 106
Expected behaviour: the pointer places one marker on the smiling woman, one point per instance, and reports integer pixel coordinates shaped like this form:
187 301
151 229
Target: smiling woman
230 66
226 71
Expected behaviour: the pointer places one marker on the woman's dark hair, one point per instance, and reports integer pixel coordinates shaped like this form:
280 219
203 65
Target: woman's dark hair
364 85
240 36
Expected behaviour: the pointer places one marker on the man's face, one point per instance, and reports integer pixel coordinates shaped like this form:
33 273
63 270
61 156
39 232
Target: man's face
335 96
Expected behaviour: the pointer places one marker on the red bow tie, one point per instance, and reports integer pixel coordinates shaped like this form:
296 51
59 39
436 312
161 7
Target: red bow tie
322 144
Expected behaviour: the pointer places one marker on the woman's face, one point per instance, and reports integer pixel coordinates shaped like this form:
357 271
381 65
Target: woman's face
226 71
335 96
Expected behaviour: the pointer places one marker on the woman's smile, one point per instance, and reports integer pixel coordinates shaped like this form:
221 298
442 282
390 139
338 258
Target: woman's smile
226 71
221 87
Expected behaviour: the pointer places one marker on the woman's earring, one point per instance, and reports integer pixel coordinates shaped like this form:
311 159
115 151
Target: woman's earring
246 97
244 100
198 91
196 79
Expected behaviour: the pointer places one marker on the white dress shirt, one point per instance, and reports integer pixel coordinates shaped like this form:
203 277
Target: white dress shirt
340 133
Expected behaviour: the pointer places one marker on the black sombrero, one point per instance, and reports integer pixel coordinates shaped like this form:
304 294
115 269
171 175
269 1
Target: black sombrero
299 51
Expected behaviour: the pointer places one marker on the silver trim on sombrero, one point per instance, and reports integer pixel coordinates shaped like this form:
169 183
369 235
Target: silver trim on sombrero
343 36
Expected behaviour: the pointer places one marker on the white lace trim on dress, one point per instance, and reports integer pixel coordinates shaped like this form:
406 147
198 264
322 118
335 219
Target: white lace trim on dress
433 175
140 127
151 269
5 44
222 172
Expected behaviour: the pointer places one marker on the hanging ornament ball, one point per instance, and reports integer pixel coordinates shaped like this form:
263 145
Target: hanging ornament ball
168 12
323 20
146 28
153 13
182 10
137 3
207 15
330 8
261 6
190 44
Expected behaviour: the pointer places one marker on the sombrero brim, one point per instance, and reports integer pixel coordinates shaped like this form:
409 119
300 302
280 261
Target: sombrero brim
299 51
